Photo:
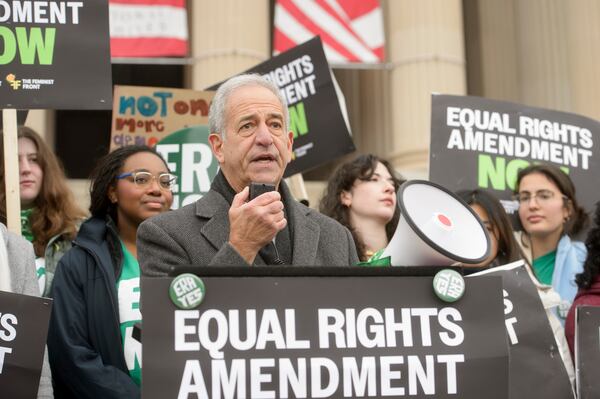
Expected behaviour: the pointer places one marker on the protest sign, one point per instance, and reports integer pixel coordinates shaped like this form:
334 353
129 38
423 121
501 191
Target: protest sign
23 328
587 351
481 143
173 120
321 133
327 337
54 54
536 366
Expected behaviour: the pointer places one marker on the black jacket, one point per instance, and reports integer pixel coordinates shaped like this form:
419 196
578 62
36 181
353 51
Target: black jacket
84 339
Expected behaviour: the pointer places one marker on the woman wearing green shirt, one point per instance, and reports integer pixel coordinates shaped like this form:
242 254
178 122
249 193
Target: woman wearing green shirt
550 214
97 283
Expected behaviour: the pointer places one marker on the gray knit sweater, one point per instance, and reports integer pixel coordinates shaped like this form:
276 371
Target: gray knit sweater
21 260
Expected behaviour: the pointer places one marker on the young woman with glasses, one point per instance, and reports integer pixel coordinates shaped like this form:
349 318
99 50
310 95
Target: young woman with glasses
96 287
550 215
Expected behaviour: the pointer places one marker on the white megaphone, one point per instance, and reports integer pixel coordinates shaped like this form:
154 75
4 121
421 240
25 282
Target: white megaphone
436 228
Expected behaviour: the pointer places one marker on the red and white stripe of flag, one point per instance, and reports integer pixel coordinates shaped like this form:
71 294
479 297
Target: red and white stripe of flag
148 28
351 30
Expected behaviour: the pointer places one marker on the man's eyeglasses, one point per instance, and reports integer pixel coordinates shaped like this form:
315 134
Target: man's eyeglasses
166 181
541 196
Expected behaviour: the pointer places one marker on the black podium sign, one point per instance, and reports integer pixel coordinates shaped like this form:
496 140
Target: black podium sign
23 328
587 349
536 366
329 337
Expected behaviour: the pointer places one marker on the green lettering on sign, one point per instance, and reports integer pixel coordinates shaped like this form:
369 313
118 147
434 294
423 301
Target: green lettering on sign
498 174
43 45
512 170
488 172
10 45
298 123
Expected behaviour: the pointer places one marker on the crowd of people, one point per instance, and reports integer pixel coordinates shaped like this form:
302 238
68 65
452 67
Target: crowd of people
91 266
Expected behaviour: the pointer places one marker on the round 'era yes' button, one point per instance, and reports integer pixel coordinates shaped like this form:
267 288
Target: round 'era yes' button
187 291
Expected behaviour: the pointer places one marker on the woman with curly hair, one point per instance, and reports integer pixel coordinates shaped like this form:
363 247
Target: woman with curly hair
49 214
361 195
589 280
97 284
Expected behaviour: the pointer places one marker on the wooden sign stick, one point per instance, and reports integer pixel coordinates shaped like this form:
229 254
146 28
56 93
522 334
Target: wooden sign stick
11 170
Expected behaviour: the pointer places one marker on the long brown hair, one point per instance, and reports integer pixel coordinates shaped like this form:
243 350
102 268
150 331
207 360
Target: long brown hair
55 210
360 168
508 248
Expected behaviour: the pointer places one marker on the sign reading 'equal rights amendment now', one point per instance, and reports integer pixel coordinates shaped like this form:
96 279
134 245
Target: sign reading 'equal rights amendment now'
482 143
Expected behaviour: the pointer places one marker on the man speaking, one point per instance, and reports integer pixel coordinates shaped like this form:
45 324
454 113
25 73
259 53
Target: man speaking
250 138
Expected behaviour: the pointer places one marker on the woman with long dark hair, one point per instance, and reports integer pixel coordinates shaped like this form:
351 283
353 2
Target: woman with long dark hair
503 246
551 216
96 286
49 213
588 281
361 195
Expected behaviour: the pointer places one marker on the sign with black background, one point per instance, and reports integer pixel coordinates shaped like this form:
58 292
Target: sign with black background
23 329
320 131
536 368
58 60
587 348
481 143
325 330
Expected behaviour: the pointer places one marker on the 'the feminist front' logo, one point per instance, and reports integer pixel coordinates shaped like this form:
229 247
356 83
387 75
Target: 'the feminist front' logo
14 83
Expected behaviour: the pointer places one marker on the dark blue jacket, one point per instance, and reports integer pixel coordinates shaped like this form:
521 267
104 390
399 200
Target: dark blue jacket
84 339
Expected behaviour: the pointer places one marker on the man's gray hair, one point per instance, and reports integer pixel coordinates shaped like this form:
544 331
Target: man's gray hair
216 114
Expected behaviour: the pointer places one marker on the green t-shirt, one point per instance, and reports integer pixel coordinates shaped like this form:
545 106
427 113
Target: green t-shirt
544 267
376 260
25 225
128 292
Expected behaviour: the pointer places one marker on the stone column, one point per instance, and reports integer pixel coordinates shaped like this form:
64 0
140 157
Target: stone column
537 52
491 40
227 36
582 56
541 49
425 45
375 134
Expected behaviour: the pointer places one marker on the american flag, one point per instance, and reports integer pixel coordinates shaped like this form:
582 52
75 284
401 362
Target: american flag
148 28
351 30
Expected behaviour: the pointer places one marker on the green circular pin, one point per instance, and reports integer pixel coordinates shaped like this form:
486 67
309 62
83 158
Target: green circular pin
187 291
449 285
